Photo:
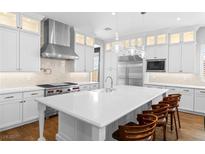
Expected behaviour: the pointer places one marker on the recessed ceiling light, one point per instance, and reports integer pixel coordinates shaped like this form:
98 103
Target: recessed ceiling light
107 29
113 13
178 18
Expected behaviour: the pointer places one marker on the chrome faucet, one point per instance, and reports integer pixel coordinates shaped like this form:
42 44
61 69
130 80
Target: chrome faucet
111 86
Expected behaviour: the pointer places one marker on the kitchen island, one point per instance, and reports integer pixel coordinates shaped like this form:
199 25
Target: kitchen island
94 115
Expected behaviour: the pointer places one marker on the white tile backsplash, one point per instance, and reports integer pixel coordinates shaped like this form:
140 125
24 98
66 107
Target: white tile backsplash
59 74
175 78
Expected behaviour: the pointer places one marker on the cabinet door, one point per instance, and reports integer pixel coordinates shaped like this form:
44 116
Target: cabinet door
111 60
89 55
150 52
199 101
79 64
30 110
29 52
9 49
187 99
188 57
161 51
10 113
175 58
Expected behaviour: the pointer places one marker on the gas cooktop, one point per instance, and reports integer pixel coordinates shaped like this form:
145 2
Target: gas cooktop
53 85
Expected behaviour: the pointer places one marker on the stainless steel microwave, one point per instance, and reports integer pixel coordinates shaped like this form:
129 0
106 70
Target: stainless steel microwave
156 65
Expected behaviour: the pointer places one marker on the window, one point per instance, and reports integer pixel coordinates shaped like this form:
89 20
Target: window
133 42
8 19
89 41
79 38
126 43
108 46
30 24
150 40
139 42
188 36
161 39
174 38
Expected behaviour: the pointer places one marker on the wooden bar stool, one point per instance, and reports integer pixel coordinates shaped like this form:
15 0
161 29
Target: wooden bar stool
161 111
173 103
178 97
143 131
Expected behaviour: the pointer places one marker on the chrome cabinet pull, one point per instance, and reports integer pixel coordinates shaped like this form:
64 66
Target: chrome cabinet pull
34 94
9 97
202 91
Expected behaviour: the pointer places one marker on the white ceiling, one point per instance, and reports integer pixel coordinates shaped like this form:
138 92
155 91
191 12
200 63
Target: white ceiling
125 23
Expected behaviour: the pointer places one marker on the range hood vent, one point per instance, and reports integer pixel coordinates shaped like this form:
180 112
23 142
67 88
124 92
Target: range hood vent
58 40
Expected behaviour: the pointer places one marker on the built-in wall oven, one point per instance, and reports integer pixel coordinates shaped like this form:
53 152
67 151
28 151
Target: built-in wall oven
156 65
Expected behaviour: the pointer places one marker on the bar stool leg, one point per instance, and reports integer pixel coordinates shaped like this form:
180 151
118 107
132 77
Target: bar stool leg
175 123
164 132
171 118
178 117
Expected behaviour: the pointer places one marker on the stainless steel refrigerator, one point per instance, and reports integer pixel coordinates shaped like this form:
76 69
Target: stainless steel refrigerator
130 70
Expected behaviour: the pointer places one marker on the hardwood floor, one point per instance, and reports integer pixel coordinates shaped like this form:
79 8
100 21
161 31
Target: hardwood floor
192 130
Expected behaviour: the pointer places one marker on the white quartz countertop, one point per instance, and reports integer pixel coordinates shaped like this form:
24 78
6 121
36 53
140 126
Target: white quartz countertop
85 83
175 85
19 89
100 108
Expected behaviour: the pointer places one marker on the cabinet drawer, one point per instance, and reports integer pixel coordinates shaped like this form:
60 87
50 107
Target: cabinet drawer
186 91
94 86
12 96
200 92
173 90
84 87
33 94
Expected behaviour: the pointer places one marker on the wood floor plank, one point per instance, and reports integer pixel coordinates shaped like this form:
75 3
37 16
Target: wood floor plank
192 130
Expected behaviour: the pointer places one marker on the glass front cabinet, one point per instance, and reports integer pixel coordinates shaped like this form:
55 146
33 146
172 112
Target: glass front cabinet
20 21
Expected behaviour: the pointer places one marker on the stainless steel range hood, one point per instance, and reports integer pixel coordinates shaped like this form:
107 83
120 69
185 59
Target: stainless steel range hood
58 40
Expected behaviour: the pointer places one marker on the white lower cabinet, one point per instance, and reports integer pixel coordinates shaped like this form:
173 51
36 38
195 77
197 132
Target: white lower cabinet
18 108
30 110
10 113
187 99
199 105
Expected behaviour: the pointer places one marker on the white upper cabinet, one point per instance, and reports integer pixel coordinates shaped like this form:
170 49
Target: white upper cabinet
9 49
86 58
188 37
126 44
89 59
79 39
174 38
84 47
150 52
161 39
8 19
19 42
108 46
30 55
150 40
175 58
79 64
90 41
182 52
188 57
30 24
139 42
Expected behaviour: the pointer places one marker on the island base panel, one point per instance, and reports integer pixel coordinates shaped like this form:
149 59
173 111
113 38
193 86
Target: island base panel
73 129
